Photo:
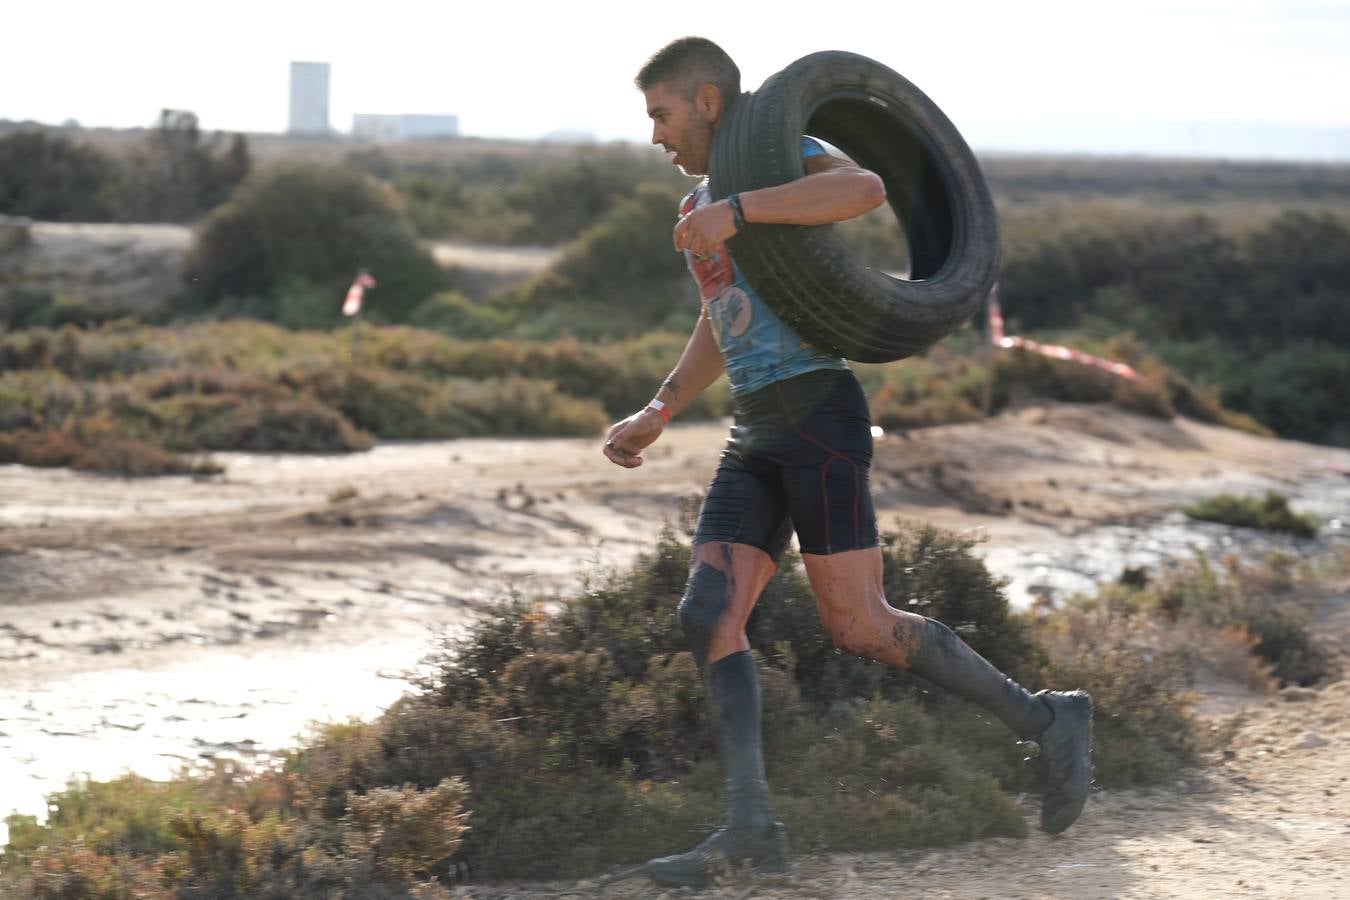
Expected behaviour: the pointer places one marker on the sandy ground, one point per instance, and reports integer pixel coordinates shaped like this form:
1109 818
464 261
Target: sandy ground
148 624
481 270
137 269
502 260
1267 817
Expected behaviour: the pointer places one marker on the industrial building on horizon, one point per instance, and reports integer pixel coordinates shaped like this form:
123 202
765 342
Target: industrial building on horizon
309 113
408 126
309 99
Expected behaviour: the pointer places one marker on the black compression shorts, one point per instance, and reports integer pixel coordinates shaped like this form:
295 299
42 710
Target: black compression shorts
800 452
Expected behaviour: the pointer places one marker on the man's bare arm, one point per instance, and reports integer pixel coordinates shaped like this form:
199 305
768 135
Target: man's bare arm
699 365
832 190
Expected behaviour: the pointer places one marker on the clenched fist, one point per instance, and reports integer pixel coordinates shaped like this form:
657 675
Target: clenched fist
627 439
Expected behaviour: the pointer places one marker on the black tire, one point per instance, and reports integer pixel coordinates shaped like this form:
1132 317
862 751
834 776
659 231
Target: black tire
807 274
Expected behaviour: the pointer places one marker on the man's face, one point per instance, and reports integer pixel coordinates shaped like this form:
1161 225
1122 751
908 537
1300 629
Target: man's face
682 126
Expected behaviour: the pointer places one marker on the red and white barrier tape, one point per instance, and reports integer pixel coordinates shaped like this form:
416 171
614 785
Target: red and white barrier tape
1054 351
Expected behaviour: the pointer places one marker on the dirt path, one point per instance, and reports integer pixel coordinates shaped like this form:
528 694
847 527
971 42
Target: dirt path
145 624
137 269
1268 818
130 268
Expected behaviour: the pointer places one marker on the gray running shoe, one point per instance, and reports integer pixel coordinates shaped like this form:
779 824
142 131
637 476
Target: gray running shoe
724 851
1066 755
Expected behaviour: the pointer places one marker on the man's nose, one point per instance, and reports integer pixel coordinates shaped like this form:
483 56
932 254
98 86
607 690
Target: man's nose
656 134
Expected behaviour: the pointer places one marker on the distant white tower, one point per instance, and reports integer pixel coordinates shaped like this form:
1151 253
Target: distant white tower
309 98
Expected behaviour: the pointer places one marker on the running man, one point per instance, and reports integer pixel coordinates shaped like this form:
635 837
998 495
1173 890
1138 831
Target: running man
798 455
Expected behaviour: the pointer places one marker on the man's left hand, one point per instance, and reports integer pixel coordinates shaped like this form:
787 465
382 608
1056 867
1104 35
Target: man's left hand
627 439
706 229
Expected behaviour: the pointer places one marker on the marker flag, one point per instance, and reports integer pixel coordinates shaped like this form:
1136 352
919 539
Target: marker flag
356 293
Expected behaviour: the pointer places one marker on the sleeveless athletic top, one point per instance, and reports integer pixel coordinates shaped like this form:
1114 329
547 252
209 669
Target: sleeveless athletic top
759 348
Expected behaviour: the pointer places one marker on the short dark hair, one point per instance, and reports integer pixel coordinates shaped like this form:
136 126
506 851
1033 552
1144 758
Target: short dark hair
689 62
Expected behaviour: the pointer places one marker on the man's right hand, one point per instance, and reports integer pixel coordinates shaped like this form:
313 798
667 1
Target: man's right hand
627 439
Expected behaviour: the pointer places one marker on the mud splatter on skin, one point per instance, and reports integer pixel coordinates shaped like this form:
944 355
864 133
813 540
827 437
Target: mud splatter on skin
907 641
705 602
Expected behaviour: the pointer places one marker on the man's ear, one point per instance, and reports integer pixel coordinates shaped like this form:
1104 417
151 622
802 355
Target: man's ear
708 101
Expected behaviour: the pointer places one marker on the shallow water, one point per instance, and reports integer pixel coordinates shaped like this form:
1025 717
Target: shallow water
1061 567
104 724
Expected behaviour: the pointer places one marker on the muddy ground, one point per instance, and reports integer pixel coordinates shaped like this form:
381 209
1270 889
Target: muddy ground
145 624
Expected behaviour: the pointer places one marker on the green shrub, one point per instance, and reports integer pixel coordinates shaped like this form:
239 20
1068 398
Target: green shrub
500 194
1296 391
146 394
72 870
1204 404
1030 374
1254 311
198 387
1270 513
175 175
563 704
619 279
220 834
48 176
457 316
292 235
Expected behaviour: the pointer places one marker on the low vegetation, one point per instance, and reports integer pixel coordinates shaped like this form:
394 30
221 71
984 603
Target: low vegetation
558 743
126 398
1270 513
1253 621
174 174
252 386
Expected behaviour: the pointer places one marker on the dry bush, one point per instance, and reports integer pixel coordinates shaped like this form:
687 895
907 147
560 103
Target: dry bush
1211 615
1269 599
1231 653
405 831
74 870
1140 688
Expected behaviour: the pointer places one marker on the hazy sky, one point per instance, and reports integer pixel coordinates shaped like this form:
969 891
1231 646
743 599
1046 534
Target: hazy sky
1217 77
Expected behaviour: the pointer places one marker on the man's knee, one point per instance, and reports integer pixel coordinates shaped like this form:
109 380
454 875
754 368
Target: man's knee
705 603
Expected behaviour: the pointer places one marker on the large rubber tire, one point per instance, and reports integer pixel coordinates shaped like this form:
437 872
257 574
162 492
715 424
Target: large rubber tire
807 274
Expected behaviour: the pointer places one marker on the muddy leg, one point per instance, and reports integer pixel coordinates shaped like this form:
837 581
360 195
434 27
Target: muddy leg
724 584
848 589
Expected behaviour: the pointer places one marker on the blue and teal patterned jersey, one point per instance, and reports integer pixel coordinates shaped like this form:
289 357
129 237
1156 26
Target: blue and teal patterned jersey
759 348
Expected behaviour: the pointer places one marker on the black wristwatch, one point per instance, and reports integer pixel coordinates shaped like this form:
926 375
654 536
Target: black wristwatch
737 214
